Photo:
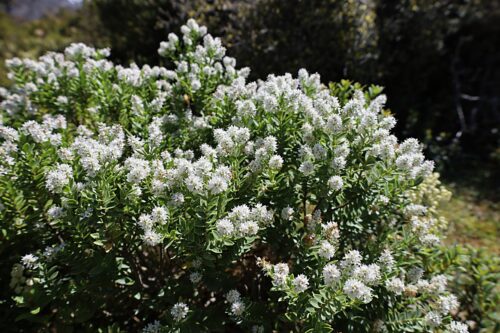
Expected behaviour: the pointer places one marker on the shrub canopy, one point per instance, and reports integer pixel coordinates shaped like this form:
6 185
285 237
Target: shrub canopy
188 199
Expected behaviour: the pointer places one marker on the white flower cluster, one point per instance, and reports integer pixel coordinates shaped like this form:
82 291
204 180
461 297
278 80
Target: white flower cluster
16 103
326 121
179 311
335 183
154 327
50 72
448 304
411 159
443 304
358 277
356 289
53 66
29 261
243 221
55 212
433 319
282 278
331 274
202 176
237 307
457 327
326 250
416 284
331 231
386 260
77 50
264 153
58 178
8 147
228 141
300 283
199 58
138 169
44 132
280 273
395 285
287 213
107 148
149 222
93 154
423 225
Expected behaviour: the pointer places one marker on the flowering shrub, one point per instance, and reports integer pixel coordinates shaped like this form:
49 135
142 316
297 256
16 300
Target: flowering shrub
187 199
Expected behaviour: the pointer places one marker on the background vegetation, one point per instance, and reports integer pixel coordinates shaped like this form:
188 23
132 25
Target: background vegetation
439 61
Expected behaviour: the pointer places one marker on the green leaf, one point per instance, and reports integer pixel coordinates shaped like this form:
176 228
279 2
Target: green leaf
125 281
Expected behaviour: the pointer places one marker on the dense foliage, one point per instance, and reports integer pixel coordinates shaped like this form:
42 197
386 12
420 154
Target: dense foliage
188 199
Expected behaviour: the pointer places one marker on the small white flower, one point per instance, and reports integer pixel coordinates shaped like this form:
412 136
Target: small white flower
300 283
368 274
29 261
233 296
335 183
55 212
457 327
275 162
386 260
307 168
424 286
138 169
58 178
159 215
326 250
248 228
154 327
448 304
331 230
224 227
217 185
438 283
177 199
195 277
151 237
179 311
430 239
280 274
355 289
281 268
331 274
395 285
62 100
287 213
351 260
338 163
433 319
195 85
237 308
